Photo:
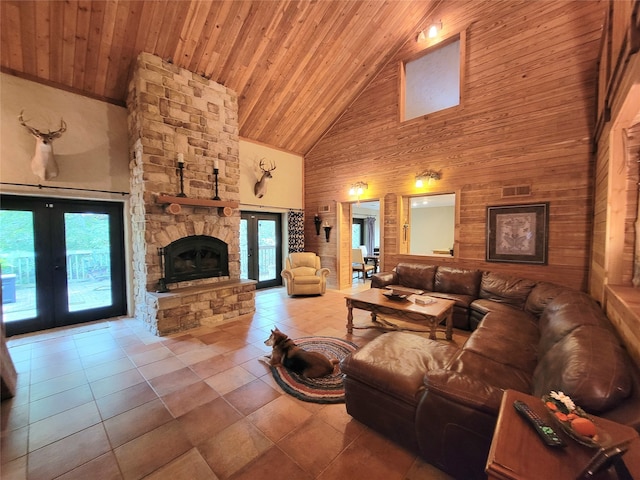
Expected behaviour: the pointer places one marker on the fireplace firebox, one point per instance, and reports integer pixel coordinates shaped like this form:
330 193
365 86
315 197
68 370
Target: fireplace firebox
194 257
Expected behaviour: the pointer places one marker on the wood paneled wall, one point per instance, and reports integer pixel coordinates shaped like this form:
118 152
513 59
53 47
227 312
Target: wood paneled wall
528 117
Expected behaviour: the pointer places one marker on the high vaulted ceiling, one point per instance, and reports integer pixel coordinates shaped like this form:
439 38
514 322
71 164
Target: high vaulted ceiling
295 65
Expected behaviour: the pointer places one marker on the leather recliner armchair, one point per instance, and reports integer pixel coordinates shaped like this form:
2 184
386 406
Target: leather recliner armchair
303 274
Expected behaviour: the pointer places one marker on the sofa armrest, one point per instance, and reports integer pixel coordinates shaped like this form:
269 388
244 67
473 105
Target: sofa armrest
323 272
465 390
382 279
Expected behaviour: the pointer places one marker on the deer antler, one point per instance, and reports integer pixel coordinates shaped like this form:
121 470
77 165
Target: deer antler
32 130
37 133
273 166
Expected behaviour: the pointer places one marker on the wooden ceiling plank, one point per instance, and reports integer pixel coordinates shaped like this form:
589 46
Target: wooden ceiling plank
115 52
103 60
174 29
294 64
56 39
192 30
272 69
126 59
10 36
232 29
82 39
206 48
96 35
69 41
28 38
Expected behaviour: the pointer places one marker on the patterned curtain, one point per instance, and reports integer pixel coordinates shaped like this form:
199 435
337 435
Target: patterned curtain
370 228
295 220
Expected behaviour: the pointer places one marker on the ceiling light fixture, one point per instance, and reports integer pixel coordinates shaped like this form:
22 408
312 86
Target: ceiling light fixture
431 32
429 175
358 189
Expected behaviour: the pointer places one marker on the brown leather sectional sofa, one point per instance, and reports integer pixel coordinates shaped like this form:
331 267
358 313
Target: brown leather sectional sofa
441 400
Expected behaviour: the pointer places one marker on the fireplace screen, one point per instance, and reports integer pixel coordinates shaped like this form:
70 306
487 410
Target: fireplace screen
194 257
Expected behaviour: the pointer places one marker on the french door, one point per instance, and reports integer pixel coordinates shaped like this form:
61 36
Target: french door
261 248
62 262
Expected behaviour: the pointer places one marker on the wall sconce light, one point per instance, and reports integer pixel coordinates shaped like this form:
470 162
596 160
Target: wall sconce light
358 189
327 230
429 175
431 32
318 222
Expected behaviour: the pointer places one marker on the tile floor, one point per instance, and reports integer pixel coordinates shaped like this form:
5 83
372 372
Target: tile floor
108 400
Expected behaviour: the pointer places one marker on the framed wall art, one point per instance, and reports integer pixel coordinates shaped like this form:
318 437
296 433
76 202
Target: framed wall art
518 233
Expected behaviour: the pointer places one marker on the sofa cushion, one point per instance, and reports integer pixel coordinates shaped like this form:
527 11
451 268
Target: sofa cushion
414 275
589 365
505 289
508 339
484 306
304 272
456 280
492 372
396 362
568 311
541 295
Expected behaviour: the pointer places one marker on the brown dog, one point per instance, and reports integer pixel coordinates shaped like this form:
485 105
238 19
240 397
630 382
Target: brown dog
296 359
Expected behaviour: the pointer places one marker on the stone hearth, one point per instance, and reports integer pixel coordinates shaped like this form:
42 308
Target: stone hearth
172 111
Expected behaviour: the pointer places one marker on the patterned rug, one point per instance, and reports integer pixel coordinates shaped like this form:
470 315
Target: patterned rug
329 389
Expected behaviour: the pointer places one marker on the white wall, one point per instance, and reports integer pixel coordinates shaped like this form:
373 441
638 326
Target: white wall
91 154
431 229
284 190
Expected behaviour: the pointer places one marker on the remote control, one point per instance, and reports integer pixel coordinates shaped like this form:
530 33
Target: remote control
547 433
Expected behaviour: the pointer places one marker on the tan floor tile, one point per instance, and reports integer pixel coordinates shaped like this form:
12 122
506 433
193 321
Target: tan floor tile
14 444
115 383
212 366
273 460
58 426
161 367
229 380
188 398
172 381
233 448
64 455
154 449
108 369
57 385
104 467
151 356
314 445
189 466
199 354
279 417
421 470
251 396
59 402
207 420
137 421
126 399
15 469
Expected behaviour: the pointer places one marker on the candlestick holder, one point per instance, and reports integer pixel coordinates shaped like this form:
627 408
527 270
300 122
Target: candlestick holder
181 175
215 176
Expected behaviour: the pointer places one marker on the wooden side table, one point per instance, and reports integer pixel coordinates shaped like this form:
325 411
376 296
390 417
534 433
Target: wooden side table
517 452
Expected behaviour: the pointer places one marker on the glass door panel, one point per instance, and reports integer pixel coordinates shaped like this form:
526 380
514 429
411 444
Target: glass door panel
267 240
88 260
261 248
17 258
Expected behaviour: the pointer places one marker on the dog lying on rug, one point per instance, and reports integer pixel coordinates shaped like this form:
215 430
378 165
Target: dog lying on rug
292 357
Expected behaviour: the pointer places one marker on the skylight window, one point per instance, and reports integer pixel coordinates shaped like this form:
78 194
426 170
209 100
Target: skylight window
432 81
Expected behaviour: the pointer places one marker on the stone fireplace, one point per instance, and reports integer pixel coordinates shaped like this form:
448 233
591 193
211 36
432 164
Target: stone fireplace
182 239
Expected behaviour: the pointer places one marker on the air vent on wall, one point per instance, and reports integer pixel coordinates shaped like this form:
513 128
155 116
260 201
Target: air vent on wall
516 191
324 209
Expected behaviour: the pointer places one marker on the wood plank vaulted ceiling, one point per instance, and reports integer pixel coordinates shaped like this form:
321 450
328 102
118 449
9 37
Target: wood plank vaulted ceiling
295 65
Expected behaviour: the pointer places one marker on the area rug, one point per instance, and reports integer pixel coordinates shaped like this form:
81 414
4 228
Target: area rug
329 389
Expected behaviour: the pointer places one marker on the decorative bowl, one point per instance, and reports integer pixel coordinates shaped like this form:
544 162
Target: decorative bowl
395 297
564 412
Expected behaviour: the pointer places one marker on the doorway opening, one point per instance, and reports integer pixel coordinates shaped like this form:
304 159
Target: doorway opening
261 248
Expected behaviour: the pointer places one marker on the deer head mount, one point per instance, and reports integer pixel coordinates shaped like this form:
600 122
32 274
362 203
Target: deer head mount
260 187
43 163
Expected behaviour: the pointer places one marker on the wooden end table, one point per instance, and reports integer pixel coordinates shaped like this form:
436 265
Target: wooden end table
518 453
374 301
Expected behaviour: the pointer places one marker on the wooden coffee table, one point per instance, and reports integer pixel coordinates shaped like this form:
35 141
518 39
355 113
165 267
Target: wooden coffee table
374 301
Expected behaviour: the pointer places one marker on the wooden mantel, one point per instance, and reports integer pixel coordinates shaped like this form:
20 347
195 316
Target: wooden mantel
173 204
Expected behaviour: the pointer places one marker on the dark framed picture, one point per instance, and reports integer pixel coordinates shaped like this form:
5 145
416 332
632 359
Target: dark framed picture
518 233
